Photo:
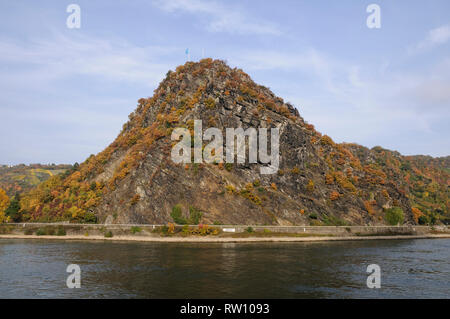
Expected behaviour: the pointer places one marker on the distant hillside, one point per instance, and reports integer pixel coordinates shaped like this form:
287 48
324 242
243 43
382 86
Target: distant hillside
319 182
22 178
424 180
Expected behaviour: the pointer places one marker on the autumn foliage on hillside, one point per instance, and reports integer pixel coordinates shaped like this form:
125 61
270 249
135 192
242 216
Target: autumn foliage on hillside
4 203
22 178
74 197
373 180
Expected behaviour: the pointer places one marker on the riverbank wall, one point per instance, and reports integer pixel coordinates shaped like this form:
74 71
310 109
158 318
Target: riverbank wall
64 229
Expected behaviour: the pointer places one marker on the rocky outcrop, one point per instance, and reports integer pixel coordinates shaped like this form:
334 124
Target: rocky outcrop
317 182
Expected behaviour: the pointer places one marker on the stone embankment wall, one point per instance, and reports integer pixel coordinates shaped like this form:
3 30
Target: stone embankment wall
153 230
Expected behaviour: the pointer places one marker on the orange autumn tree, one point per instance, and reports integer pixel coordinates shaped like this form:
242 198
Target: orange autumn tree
62 199
4 203
334 195
417 213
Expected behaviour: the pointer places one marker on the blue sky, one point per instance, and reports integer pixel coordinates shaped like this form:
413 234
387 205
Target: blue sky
65 93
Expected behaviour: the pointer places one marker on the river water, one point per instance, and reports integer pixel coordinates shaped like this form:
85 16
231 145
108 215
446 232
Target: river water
409 269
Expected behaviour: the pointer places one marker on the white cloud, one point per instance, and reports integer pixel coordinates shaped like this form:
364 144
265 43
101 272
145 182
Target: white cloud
64 56
435 37
360 103
439 35
46 87
220 18
333 76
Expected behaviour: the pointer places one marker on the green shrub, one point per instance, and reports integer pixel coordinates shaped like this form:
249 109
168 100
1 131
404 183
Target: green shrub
433 218
40 232
28 231
176 215
333 221
60 231
394 216
424 220
6 229
194 216
429 219
135 229
109 234
90 218
165 229
249 229
315 222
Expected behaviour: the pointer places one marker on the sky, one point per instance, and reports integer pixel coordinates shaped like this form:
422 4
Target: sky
66 92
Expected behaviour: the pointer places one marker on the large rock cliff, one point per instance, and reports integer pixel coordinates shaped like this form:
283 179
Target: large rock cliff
318 181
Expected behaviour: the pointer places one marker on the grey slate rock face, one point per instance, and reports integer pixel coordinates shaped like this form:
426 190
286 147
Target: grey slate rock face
277 199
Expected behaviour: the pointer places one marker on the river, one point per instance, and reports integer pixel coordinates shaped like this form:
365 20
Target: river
409 269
